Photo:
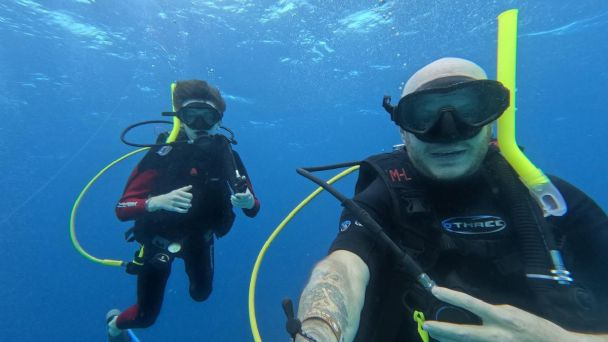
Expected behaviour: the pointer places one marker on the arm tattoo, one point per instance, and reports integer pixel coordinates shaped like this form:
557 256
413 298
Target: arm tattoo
325 294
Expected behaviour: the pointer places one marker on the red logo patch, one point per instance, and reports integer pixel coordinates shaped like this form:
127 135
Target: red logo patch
398 175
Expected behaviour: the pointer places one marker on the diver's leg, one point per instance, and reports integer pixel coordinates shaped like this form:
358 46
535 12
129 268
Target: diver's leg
198 259
151 282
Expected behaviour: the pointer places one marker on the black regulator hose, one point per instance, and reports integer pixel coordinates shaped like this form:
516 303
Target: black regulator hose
130 127
230 138
408 264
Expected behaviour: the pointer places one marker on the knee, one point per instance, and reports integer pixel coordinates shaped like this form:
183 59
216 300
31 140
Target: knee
142 321
146 321
200 293
134 317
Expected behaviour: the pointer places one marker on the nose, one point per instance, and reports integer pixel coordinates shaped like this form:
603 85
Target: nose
447 126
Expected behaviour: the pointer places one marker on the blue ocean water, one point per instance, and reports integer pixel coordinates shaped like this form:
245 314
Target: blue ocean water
303 82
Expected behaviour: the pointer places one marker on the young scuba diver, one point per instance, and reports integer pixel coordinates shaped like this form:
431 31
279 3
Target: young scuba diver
181 196
456 206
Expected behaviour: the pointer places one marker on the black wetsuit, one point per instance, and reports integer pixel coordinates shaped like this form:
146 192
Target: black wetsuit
162 170
582 232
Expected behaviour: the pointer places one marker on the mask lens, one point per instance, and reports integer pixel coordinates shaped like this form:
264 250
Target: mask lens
486 102
473 103
203 117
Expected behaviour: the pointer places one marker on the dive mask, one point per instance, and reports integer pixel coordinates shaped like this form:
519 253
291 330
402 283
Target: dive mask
198 115
450 113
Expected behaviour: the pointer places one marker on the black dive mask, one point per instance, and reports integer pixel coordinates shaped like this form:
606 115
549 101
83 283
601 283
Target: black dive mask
450 113
198 115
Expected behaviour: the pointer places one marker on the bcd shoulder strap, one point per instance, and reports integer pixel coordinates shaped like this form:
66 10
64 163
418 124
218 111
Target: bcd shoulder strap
412 214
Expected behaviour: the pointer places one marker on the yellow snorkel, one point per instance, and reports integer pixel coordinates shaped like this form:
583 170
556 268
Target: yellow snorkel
176 122
541 188
73 238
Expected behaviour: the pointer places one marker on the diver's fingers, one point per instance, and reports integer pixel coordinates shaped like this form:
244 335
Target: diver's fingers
180 206
181 199
236 201
182 194
185 188
179 210
244 194
450 332
183 204
465 301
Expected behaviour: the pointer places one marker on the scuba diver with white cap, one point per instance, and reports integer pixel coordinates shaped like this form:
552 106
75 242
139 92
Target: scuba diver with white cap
449 199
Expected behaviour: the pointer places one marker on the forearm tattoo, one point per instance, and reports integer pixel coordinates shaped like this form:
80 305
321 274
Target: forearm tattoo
324 295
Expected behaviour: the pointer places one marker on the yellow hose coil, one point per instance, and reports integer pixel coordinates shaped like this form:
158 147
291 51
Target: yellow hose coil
75 242
258 262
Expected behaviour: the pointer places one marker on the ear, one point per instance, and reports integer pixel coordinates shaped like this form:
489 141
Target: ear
404 136
489 131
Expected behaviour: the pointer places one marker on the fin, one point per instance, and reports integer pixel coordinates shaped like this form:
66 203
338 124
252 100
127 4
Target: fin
124 335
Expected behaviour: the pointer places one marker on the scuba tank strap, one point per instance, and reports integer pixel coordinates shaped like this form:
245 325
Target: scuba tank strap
408 197
535 233
236 181
397 173
545 273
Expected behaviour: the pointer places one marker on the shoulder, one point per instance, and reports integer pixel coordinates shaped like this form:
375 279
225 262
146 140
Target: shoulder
576 199
565 187
394 165
585 222
157 156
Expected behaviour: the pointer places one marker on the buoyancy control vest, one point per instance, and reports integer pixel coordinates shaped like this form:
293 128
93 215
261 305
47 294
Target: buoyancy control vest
201 164
419 233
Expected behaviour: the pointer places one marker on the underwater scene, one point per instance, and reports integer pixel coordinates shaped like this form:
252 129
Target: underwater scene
302 83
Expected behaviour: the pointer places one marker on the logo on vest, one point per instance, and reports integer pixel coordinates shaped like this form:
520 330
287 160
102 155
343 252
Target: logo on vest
474 224
344 225
398 175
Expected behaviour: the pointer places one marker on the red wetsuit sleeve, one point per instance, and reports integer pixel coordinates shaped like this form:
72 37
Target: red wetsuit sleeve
256 207
132 204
